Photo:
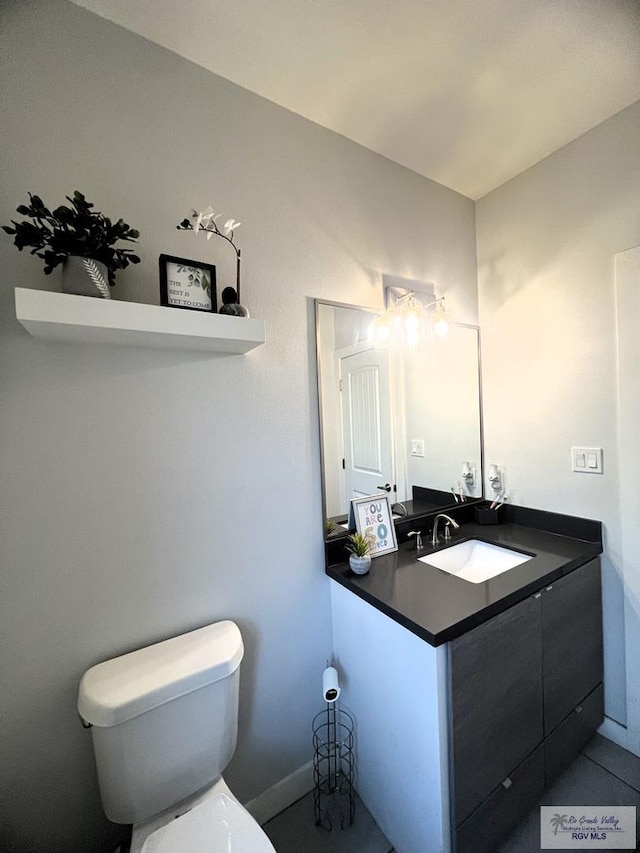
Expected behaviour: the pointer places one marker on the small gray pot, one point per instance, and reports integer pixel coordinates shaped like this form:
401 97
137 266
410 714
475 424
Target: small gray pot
85 277
359 565
234 309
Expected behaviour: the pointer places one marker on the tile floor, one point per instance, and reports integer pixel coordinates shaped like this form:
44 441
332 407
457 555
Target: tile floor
603 774
294 831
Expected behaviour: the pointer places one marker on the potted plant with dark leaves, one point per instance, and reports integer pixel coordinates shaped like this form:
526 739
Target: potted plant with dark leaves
80 238
359 548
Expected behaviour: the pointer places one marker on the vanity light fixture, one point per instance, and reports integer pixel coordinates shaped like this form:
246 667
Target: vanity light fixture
412 321
440 324
381 331
405 316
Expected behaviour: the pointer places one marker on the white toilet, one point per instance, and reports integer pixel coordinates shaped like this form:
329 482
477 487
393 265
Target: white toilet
164 722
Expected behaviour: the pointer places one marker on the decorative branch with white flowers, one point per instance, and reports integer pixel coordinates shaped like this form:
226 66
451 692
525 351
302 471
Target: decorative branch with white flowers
206 220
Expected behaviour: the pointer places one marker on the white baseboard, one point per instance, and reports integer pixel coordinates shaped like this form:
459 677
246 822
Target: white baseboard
614 731
281 795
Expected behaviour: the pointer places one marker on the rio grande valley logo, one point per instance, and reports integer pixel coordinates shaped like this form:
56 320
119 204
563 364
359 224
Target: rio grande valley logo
588 828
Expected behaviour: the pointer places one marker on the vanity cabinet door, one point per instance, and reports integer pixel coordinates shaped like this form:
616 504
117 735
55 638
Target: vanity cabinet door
503 809
572 642
495 683
567 739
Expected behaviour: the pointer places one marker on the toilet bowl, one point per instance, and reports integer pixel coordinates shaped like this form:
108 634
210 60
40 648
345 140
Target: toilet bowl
164 723
212 821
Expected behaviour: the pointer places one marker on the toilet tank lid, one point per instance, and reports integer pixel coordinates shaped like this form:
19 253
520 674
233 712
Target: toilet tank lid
125 687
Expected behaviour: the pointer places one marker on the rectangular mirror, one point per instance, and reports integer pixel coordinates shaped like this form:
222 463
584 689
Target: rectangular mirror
396 420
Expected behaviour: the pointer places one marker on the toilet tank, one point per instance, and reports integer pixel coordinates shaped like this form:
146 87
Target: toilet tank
164 719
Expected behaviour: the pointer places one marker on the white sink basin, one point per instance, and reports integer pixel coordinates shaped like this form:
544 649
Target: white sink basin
475 561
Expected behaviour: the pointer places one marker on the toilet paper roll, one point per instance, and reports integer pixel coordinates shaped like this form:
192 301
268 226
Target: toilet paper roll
330 686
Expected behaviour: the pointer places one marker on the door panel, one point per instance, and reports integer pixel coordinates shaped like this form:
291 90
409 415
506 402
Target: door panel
366 423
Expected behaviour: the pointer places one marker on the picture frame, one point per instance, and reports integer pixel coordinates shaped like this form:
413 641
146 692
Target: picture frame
373 517
187 284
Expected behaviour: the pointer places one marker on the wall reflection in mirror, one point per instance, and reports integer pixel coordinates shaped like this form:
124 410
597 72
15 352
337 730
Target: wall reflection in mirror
406 421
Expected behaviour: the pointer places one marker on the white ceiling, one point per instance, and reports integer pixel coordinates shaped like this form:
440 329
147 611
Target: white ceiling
466 92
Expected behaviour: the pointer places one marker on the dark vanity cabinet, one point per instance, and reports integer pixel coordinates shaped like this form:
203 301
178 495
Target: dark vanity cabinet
525 694
573 668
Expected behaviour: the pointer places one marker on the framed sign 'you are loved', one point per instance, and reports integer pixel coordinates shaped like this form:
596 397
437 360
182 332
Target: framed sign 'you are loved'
373 520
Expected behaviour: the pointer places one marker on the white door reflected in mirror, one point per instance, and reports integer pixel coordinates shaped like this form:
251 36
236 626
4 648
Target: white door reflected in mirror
367 438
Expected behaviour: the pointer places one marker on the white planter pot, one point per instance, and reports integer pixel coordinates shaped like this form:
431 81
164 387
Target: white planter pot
359 565
85 277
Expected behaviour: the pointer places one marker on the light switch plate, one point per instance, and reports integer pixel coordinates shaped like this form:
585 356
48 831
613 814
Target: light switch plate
586 460
417 447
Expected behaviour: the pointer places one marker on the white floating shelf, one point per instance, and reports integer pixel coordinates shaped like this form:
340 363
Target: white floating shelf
83 319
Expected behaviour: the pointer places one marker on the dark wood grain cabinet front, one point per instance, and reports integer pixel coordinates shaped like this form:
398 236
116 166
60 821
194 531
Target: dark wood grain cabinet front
566 740
504 808
572 642
526 683
496 702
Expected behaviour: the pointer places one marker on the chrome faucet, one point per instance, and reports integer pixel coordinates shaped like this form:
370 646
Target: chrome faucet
418 536
399 509
447 532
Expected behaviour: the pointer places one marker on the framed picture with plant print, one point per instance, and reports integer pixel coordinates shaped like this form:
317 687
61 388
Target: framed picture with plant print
187 284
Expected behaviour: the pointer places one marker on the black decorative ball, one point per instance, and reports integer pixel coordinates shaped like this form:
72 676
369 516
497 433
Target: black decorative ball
229 295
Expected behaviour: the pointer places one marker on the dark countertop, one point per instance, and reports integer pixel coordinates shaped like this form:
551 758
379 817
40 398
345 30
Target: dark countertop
438 606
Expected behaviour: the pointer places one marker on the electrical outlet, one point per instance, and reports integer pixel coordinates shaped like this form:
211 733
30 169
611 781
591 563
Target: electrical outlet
417 447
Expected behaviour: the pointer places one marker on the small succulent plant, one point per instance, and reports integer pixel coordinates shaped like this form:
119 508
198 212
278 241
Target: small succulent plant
360 545
329 526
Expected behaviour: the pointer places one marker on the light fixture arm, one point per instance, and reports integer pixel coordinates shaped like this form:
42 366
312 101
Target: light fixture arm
406 297
438 301
395 297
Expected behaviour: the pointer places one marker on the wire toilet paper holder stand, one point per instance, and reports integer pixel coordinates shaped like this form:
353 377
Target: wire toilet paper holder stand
333 759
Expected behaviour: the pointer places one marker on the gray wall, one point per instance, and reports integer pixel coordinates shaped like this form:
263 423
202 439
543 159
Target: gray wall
546 246
147 493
